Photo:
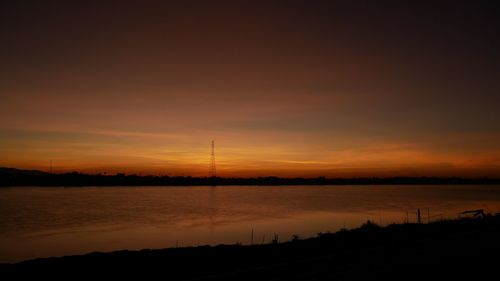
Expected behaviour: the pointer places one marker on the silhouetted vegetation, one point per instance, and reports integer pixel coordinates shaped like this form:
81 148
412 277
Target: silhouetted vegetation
14 177
447 250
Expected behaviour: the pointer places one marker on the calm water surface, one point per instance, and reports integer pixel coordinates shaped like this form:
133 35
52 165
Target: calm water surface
55 221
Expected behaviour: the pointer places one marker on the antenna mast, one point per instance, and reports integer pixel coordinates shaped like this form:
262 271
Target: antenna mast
212 171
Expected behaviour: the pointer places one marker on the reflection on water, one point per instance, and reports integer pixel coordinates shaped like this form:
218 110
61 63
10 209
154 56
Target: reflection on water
55 221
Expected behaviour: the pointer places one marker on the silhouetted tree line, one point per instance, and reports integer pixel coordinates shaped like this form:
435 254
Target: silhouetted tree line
14 177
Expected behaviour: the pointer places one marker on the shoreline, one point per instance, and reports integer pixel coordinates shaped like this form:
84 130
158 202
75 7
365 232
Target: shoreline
362 252
10 177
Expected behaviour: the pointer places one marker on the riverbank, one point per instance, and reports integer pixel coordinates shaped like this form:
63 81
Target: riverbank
445 249
15 177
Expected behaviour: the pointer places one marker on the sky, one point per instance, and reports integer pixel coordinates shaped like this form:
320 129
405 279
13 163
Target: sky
284 88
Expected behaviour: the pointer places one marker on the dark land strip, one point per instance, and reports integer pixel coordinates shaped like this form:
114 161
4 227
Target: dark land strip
15 177
463 249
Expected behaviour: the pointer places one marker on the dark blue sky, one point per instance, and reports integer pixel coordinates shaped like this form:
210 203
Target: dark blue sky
284 87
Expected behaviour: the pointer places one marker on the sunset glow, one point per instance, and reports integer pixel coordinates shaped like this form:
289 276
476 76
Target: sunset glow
327 91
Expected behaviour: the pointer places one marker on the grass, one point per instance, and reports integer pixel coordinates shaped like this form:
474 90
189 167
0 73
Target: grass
451 249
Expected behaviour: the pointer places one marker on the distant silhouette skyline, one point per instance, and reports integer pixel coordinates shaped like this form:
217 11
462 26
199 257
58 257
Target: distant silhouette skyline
287 88
15 177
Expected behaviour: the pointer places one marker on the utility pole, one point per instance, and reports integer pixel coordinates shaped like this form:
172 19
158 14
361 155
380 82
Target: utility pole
212 171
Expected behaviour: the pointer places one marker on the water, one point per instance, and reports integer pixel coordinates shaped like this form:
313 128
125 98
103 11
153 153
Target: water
55 221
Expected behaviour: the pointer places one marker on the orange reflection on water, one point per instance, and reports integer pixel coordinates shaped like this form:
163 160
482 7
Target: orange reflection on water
55 221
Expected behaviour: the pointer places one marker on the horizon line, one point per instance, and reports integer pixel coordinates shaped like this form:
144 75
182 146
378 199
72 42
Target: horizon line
106 174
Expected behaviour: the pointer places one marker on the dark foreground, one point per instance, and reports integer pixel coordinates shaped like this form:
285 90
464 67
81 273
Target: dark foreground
467 249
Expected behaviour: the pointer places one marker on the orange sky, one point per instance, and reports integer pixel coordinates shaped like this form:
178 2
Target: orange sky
286 88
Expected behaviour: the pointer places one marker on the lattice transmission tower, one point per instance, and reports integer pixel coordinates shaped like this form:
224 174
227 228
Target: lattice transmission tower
212 171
